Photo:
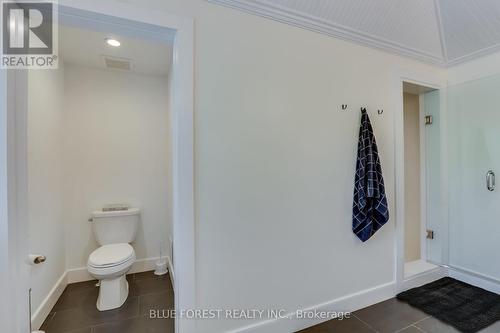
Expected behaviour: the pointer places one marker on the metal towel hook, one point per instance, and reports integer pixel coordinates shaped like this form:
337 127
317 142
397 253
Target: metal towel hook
344 107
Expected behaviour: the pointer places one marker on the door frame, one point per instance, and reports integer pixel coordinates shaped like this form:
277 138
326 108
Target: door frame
14 269
13 165
431 80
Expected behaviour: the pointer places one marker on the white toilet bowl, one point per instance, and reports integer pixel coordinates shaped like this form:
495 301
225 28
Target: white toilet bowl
109 264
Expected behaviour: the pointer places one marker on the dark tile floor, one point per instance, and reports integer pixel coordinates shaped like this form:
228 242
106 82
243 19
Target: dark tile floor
76 312
389 317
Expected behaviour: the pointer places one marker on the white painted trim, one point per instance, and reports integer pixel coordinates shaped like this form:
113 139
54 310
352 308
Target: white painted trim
347 303
474 55
171 271
144 265
5 309
426 79
81 274
423 178
40 314
14 144
423 278
184 245
21 189
316 24
308 22
76 275
399 189
443 137
9 254
475 279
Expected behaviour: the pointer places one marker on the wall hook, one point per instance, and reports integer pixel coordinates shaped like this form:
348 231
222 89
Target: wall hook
380 111
344 107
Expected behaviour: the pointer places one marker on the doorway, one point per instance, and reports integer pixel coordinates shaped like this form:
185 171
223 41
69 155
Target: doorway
13 146
420 115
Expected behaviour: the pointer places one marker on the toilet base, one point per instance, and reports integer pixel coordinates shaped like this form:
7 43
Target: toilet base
112 293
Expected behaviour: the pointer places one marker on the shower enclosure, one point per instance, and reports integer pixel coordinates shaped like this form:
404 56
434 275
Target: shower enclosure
462 152
473 160
461 202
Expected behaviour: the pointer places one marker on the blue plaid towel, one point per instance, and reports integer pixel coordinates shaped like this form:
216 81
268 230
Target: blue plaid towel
369 211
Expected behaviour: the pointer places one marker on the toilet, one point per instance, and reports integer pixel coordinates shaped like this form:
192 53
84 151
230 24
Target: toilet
114 231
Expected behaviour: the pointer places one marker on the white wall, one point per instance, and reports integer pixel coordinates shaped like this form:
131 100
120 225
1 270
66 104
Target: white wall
274 161
475 69
412 177
45 178
117 151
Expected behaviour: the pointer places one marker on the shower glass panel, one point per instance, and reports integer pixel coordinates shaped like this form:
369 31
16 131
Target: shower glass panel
473 150
433 156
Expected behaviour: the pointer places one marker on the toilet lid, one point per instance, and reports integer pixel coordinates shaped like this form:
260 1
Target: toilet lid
111 255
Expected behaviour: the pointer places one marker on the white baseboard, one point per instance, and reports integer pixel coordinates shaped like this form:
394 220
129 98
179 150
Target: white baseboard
144 265
171 270
347 303
423 278
38 317
475 279
81 274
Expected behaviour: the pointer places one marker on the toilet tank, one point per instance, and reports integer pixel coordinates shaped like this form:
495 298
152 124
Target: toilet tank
111 227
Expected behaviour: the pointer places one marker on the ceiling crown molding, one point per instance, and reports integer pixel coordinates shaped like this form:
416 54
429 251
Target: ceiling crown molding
311 23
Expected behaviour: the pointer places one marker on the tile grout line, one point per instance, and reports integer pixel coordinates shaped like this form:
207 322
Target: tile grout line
419 321
418 328
95 327
413 325
365 323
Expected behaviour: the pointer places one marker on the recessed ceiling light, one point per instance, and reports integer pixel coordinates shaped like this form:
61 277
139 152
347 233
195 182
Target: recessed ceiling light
113 42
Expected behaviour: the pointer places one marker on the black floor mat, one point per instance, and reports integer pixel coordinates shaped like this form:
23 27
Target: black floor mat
469 309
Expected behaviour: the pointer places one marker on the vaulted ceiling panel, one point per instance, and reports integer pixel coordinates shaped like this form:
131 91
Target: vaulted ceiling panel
443 32
406 23
471 27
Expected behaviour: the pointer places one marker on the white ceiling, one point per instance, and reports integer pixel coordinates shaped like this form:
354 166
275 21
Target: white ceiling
444 32
87 48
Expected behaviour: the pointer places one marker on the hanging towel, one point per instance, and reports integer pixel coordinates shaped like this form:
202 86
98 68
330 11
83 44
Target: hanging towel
370 211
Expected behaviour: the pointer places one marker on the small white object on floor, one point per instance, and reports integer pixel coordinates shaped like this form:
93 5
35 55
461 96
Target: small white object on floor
161 267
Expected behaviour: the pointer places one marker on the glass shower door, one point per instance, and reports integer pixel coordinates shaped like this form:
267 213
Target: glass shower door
434 185
474 152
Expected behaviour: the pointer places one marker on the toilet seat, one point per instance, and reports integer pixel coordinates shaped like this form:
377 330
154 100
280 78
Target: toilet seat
111 261
111 255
